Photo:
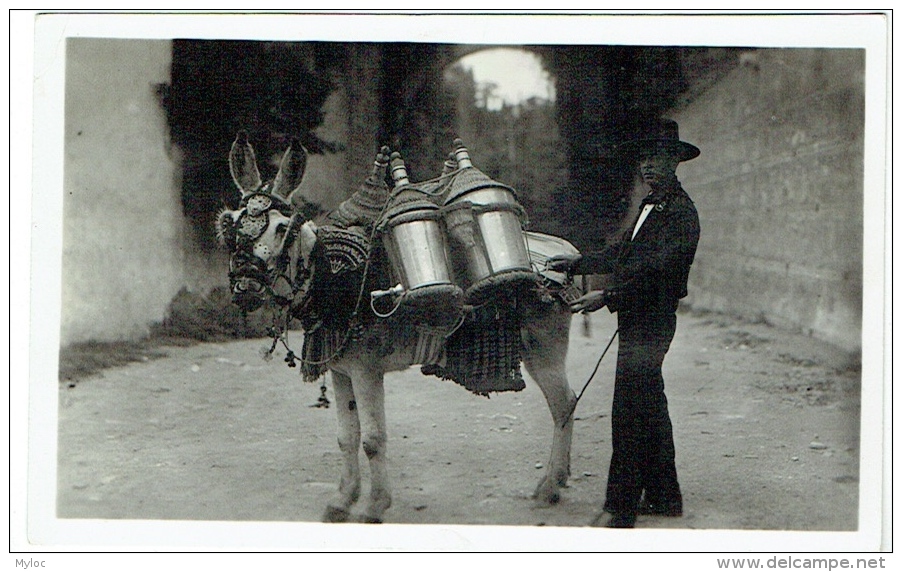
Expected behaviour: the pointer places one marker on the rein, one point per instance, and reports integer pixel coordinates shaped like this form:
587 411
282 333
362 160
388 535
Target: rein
591 377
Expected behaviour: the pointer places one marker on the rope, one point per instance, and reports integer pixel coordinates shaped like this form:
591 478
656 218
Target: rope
448 178
463 318
366 268
390 312
435 193
588 381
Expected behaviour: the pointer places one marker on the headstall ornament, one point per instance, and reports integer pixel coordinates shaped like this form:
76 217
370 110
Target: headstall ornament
344 244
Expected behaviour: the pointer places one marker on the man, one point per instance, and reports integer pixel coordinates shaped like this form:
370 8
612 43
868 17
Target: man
647 275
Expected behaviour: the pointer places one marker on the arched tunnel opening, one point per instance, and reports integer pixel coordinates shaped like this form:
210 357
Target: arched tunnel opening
416 98
505 112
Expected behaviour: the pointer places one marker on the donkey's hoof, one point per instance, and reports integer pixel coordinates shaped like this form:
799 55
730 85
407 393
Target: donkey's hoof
336 514
364 519
546 493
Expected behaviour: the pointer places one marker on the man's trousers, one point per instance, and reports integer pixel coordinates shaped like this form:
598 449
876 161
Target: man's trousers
642 435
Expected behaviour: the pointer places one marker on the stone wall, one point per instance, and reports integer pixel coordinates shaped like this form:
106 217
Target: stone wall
779 189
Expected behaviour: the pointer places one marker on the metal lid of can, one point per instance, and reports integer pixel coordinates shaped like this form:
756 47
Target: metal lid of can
468 178
409 211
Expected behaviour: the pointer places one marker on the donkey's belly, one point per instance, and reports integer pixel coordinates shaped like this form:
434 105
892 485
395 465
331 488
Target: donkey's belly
386 351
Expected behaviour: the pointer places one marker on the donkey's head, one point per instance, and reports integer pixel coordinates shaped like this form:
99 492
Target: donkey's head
268 233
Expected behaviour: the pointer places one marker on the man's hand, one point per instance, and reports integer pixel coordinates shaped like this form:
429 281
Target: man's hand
562 262
588 302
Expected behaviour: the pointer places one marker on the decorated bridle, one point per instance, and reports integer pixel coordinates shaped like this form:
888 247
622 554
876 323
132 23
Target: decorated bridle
266 224
271 265
280 281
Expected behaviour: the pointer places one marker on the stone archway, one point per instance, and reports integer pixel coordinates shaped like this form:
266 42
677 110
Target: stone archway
603 94
392 94
513 137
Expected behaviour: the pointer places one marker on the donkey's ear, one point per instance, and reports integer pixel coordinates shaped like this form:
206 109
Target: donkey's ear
243 164
291 170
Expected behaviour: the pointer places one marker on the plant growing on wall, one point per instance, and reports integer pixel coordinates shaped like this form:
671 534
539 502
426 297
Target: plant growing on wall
273 90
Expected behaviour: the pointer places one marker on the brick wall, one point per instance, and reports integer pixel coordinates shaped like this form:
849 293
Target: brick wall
779 189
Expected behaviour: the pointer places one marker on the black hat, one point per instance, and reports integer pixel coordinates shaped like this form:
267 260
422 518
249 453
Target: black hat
664 131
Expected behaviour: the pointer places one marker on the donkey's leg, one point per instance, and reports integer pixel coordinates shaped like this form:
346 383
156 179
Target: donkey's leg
368 386
545 343
338 508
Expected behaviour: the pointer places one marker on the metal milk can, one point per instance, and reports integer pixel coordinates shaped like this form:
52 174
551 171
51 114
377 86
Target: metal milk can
415 244
414 240
485 223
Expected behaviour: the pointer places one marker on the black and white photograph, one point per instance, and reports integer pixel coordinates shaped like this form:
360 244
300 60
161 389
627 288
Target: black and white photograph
461 282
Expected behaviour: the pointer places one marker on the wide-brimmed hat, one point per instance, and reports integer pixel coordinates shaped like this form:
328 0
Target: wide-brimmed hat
664 131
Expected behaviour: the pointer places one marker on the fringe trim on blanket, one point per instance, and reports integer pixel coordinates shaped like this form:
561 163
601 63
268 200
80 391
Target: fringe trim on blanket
484 354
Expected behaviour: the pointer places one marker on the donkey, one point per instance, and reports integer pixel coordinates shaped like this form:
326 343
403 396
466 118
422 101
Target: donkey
279 256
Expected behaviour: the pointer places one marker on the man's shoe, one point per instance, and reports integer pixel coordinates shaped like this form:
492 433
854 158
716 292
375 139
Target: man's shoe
610 520
673 508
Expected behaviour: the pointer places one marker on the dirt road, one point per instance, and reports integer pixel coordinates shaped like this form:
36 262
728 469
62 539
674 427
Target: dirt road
766 426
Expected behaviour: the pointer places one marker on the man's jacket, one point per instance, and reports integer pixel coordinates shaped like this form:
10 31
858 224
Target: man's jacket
649 273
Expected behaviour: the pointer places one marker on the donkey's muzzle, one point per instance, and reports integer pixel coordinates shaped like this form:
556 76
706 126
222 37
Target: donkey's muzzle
248 293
